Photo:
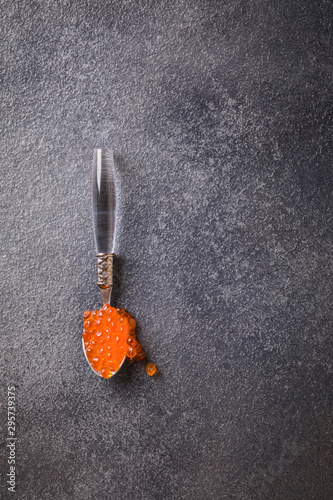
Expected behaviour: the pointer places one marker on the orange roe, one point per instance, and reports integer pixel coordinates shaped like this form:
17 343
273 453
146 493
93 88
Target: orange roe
108 336
151 369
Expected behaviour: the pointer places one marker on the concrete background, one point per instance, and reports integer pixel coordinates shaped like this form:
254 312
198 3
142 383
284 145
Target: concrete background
220 115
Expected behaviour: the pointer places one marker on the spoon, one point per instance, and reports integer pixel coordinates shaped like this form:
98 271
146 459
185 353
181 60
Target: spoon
104 219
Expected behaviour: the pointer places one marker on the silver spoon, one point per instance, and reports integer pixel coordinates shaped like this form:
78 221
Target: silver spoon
104 218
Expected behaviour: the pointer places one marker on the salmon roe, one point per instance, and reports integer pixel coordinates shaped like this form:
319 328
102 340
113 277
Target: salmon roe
151 369
108 336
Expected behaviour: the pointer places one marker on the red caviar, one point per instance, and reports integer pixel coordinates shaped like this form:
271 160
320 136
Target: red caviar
151 369
108 336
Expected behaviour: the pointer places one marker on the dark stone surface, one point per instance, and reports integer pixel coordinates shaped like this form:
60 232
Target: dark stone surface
220 115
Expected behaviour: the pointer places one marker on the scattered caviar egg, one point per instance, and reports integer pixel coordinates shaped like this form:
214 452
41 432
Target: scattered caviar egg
151 369
131 352
132 323
109 336
140 351
86 315
106 373
140 356
131 340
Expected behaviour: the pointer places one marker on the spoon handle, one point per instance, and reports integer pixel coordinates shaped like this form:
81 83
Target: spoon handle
104 218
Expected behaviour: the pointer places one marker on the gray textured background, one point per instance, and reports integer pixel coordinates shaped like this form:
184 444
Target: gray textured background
220 115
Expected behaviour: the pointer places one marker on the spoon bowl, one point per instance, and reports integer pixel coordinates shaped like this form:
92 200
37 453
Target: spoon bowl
96 372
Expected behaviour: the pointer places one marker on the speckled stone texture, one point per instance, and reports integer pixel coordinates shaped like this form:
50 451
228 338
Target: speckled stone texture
220 115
